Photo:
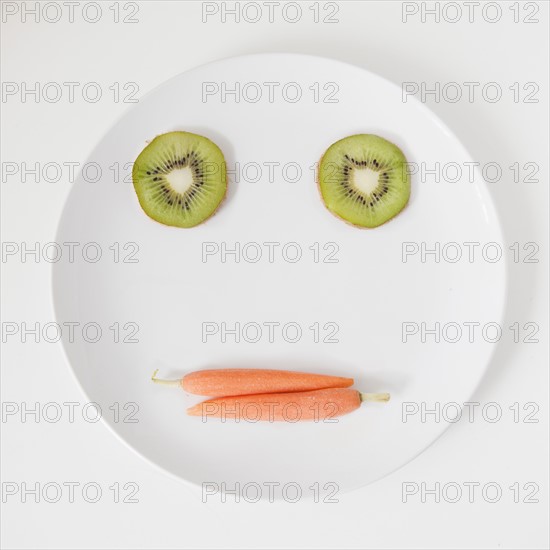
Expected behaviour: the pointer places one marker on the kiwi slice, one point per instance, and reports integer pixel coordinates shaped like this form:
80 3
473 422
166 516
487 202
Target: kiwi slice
180 178
363 180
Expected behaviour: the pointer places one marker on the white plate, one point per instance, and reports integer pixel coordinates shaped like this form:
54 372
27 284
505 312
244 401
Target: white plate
368 293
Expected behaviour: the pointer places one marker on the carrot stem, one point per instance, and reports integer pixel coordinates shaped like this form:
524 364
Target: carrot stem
164 382
374 397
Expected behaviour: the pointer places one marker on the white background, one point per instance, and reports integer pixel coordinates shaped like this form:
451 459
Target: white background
169 38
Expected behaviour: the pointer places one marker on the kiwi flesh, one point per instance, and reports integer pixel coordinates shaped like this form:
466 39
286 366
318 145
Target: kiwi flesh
363 180
180 178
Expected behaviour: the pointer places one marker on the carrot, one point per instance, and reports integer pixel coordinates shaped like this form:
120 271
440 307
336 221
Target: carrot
291 407
223 382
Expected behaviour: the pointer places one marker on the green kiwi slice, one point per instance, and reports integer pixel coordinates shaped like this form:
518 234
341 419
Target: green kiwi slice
363 180
180 178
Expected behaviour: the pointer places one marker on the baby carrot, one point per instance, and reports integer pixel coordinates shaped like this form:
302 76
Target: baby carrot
223 382
290 407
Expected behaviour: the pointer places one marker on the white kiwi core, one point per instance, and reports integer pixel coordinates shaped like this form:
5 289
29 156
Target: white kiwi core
180 180
364 180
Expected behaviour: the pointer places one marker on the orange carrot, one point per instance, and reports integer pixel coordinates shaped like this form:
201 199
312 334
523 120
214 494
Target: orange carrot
223 382
290 407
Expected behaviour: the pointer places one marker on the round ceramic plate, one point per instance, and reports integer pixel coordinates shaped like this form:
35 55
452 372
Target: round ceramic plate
274 280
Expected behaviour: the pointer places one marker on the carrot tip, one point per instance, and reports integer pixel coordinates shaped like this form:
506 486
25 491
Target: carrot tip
195 410
374 397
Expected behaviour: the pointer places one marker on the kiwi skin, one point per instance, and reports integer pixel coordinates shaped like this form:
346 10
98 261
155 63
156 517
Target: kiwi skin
335 214
145 206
